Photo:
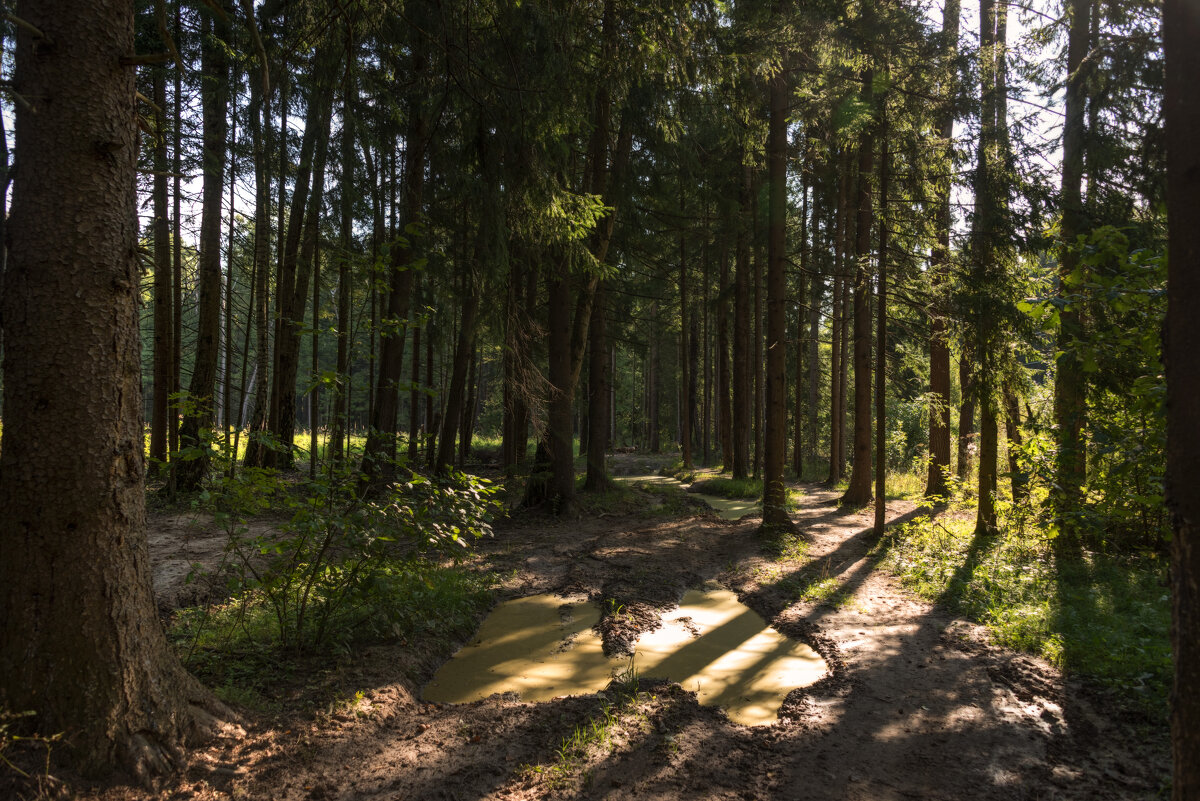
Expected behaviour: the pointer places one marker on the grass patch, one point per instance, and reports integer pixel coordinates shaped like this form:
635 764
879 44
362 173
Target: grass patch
737 488
1104 617
234 646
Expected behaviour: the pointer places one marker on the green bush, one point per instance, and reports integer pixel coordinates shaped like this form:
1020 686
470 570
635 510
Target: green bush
341 567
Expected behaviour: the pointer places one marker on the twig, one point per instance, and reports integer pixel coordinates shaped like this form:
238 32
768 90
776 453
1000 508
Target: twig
144 58
20 23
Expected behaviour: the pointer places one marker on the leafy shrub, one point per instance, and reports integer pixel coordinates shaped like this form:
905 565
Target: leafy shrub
341 566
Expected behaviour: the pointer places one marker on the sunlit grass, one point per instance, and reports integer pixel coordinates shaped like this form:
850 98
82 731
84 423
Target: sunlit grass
1104 616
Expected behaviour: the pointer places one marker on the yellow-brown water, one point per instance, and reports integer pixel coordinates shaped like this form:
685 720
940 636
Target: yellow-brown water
726 508
543 646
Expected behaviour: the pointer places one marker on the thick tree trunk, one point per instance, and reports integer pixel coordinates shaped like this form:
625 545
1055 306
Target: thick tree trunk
214 101
1182 109
859 491
81 643
775 514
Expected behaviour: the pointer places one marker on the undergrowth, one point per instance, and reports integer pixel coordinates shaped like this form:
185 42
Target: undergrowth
1103 616
342 570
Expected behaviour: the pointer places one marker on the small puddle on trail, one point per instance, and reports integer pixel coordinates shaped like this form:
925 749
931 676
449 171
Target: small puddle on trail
726 508
544 646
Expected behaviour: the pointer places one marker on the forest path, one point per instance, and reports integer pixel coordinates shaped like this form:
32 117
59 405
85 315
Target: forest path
918 705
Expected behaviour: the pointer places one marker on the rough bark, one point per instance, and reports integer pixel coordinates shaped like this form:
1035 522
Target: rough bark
81 644
775 513
1182 110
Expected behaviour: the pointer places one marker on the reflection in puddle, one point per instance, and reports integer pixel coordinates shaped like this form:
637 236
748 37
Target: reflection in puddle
542 646
726 508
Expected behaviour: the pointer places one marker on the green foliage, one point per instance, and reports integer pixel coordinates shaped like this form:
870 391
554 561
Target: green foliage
11 726
341 567
740 488
1121 291
1103 617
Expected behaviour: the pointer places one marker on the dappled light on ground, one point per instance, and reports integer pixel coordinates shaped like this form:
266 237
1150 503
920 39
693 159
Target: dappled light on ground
543 646
725 652
726 508
539 647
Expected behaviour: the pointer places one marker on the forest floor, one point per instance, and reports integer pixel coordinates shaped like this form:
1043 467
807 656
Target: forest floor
917 704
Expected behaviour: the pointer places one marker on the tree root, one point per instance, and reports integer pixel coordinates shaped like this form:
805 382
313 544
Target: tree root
151 757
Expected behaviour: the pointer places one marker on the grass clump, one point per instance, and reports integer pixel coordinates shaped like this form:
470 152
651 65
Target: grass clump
724 487
1103 616
595 737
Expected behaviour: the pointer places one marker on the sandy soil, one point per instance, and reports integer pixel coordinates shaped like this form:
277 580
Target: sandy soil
918 704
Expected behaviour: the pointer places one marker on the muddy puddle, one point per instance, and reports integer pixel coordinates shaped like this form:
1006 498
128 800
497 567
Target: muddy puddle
727 508
544 646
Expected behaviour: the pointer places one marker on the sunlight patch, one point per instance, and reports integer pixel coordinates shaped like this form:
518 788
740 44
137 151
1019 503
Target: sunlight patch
544 646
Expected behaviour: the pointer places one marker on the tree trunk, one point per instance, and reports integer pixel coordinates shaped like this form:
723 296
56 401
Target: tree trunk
686 374
1012 431
214 101
801 340
859 491
1182 109
414 393
81 643
598 391
260 123
1070 386
881 330
340 404
742 376
937 483
775 514
301 266
163 346
379 454
724 380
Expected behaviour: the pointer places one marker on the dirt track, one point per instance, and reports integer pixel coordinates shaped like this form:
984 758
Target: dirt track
918 705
